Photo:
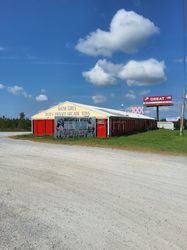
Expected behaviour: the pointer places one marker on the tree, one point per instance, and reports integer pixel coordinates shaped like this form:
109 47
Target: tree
22 116
21 122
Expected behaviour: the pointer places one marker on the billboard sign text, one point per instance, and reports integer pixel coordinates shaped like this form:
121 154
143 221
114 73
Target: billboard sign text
149 101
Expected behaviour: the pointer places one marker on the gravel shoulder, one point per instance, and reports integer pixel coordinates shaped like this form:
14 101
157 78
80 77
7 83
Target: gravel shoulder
72 197
6 134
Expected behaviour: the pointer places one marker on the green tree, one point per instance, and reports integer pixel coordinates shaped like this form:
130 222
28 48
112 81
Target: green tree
21 121
22 116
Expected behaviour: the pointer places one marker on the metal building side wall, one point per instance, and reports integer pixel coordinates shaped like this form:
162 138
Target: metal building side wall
125 126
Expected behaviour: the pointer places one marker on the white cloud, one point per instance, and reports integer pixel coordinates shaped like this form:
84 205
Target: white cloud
15 90
41 98
142 73
127 33
2 86
18 90
99 99
102 74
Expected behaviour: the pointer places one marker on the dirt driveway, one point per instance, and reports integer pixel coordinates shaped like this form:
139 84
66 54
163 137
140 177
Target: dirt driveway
71 197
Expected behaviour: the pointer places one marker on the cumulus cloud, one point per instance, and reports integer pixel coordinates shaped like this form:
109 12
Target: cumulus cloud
142 73
41 98
138 73
127 33
102 74
18 90
99 98
15 90
2 86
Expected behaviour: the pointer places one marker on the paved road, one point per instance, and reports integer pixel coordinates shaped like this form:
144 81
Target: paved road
71 197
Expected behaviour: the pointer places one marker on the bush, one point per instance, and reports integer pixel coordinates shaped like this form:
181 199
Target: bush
177 124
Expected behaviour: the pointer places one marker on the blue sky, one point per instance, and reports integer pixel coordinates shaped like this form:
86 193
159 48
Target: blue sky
102 52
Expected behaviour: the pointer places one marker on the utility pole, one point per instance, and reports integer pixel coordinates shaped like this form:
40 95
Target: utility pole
183 112
184 72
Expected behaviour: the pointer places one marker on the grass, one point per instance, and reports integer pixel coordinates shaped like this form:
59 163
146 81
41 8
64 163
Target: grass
161 141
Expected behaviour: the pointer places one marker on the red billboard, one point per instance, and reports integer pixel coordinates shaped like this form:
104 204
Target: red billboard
151 101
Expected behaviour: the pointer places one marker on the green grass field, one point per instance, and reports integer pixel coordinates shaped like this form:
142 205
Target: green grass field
161 141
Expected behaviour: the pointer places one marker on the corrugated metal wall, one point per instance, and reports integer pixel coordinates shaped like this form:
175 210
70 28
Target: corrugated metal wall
124 126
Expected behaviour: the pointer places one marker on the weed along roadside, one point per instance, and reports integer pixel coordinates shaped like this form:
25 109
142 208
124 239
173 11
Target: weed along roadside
160 141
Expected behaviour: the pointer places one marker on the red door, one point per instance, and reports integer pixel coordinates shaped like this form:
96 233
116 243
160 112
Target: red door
101 128
49 127
41 127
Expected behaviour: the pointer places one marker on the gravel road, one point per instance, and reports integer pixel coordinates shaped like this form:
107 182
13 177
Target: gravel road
6 134
71 197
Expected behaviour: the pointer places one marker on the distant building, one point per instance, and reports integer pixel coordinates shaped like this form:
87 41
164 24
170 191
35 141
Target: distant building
166 125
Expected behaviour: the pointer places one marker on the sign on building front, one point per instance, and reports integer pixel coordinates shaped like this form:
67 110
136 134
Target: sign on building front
75 127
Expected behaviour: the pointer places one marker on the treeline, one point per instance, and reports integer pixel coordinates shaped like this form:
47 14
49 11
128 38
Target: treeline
15 124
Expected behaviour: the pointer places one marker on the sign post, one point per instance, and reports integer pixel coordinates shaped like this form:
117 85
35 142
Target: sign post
157 113
157 101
